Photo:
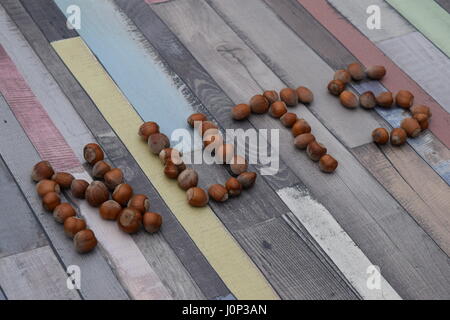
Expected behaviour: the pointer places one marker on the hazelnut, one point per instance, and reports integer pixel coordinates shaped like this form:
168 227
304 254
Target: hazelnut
259 104
85 241
380 136
45 186
411 126
42 170
188 179
247 179
357 71
218 193
147 129
113 178
385 99
110 210
214 138
302 141
181 167
171 170
241 111
349 99
152 222
271 96
78 188
305 95
367 100
130 220
63 211
421 109
197 197
208 127
234 187
316 150
289 119
50 201
422 119
238 165
196 117
96 193
93 153
122 194
398 137
170 154
289 96
64 179
301 126
328 164
139 202
224 153
376 72
100 168
335 87
278 109
73 225
404 99
343 75
157 142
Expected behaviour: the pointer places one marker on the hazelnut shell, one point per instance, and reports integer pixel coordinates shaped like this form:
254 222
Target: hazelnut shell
305 95
45 186
196 117
93 153
241 111
247 179
152 222
271 96
385 99
147 129
411 126
289 119
63 211
100 168
51 200
368 100
278 109
139 202
42 170
398 136
129 220
301 126
328 164
113 178
343 75
218 193
63 179
316 150
376 72
157 142
380 136
85 241
96 193
302 141
259 104
73 225
110 210
122 194
234 187
238 165
357 71
336 87
404 99
289 96
197 197
349 100
78 188
188 179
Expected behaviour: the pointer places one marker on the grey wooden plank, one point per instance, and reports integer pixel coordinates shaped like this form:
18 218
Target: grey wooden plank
35 275
180 242
444 4
372 218
2 294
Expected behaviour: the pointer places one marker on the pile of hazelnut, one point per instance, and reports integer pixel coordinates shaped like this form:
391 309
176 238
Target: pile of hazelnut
277 106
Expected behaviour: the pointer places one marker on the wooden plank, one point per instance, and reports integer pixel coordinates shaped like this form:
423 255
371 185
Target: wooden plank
444 4
369 215
2 294
188 253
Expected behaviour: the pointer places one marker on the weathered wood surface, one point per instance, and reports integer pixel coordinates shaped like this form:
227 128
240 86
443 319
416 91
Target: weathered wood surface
190 256
444 4
35 275
370 215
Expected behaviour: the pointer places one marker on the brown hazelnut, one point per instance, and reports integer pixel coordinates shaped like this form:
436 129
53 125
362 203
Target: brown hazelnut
214 138
376 72
208 127
96 193
289 96
398 137
147 129
238 165
234 187
241 111
367 100
139 202
289 119
157 142
259 104
380 136
100 168
302 141
170 154
122 194
218 193
129 220
357 71
188 179
63 179
196 117
42 170
73 225
171 170
110 210
224 153
152 222
385 99
247 179
197 197
78 188
305 95
335 87
328 164
50 201
63 211
85 241
421 109
404 99
113 178
93 153
316 150
301 126
45 186
422 119
278 109
271 96
181 167
411 126
343 75
349 99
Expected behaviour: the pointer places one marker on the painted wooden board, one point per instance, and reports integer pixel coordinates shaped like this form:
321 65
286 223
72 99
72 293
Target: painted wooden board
190 256
444 4
369 215
35 275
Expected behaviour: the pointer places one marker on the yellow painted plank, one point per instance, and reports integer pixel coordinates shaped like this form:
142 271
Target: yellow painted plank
219 247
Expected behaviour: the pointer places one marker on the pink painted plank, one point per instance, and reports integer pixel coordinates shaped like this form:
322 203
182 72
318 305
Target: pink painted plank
46 138
368 54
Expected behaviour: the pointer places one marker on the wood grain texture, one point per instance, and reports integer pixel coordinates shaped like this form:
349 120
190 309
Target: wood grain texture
188 253
35 275
445 4
369 215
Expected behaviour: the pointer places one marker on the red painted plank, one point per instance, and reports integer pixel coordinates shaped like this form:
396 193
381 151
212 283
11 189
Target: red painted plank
46 138
368 54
